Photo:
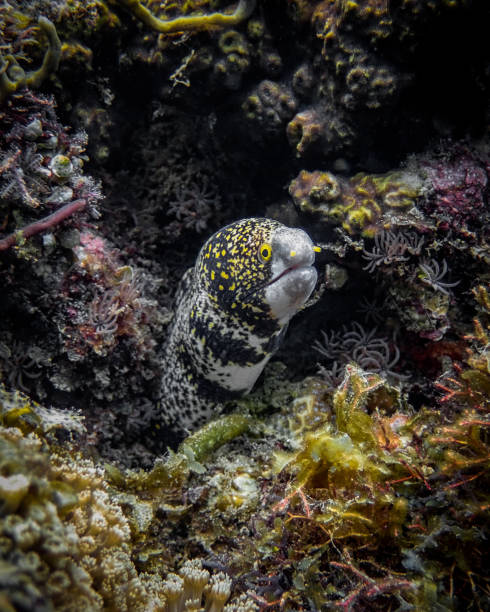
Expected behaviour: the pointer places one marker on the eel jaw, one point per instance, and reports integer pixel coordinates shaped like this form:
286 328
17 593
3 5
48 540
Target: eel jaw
288 291
280 275
293 274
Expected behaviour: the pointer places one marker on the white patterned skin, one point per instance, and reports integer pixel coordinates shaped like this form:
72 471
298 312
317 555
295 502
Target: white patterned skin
232 310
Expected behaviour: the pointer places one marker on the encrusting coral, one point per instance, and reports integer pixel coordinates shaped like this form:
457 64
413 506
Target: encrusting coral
425 193
360 204
270 106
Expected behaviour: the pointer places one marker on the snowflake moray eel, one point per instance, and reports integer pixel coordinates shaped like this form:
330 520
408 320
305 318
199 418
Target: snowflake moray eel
232 310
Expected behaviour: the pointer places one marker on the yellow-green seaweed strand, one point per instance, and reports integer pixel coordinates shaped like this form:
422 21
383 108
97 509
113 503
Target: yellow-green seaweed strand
214 434
51 57
13 77
193 22
175 470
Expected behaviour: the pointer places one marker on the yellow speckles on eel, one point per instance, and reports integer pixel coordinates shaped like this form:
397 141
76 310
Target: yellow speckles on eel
232 310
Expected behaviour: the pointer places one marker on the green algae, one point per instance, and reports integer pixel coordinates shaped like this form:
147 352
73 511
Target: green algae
193 22
12 75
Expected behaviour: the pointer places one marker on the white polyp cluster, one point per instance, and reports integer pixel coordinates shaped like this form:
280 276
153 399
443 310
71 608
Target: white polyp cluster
217 592
184 591
195 579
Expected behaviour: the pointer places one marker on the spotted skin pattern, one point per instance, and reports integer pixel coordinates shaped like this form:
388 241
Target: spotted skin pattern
232 310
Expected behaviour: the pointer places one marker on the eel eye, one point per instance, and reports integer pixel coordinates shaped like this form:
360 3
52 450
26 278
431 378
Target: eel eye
265 252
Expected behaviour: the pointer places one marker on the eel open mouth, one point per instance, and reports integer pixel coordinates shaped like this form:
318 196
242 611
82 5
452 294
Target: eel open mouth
286 272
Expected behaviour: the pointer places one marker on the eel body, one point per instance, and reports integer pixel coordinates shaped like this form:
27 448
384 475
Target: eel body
232 310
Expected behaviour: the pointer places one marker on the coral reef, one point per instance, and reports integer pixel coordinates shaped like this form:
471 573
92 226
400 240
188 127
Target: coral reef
426 200
355 475
60 532
41 167
66 542
361 480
